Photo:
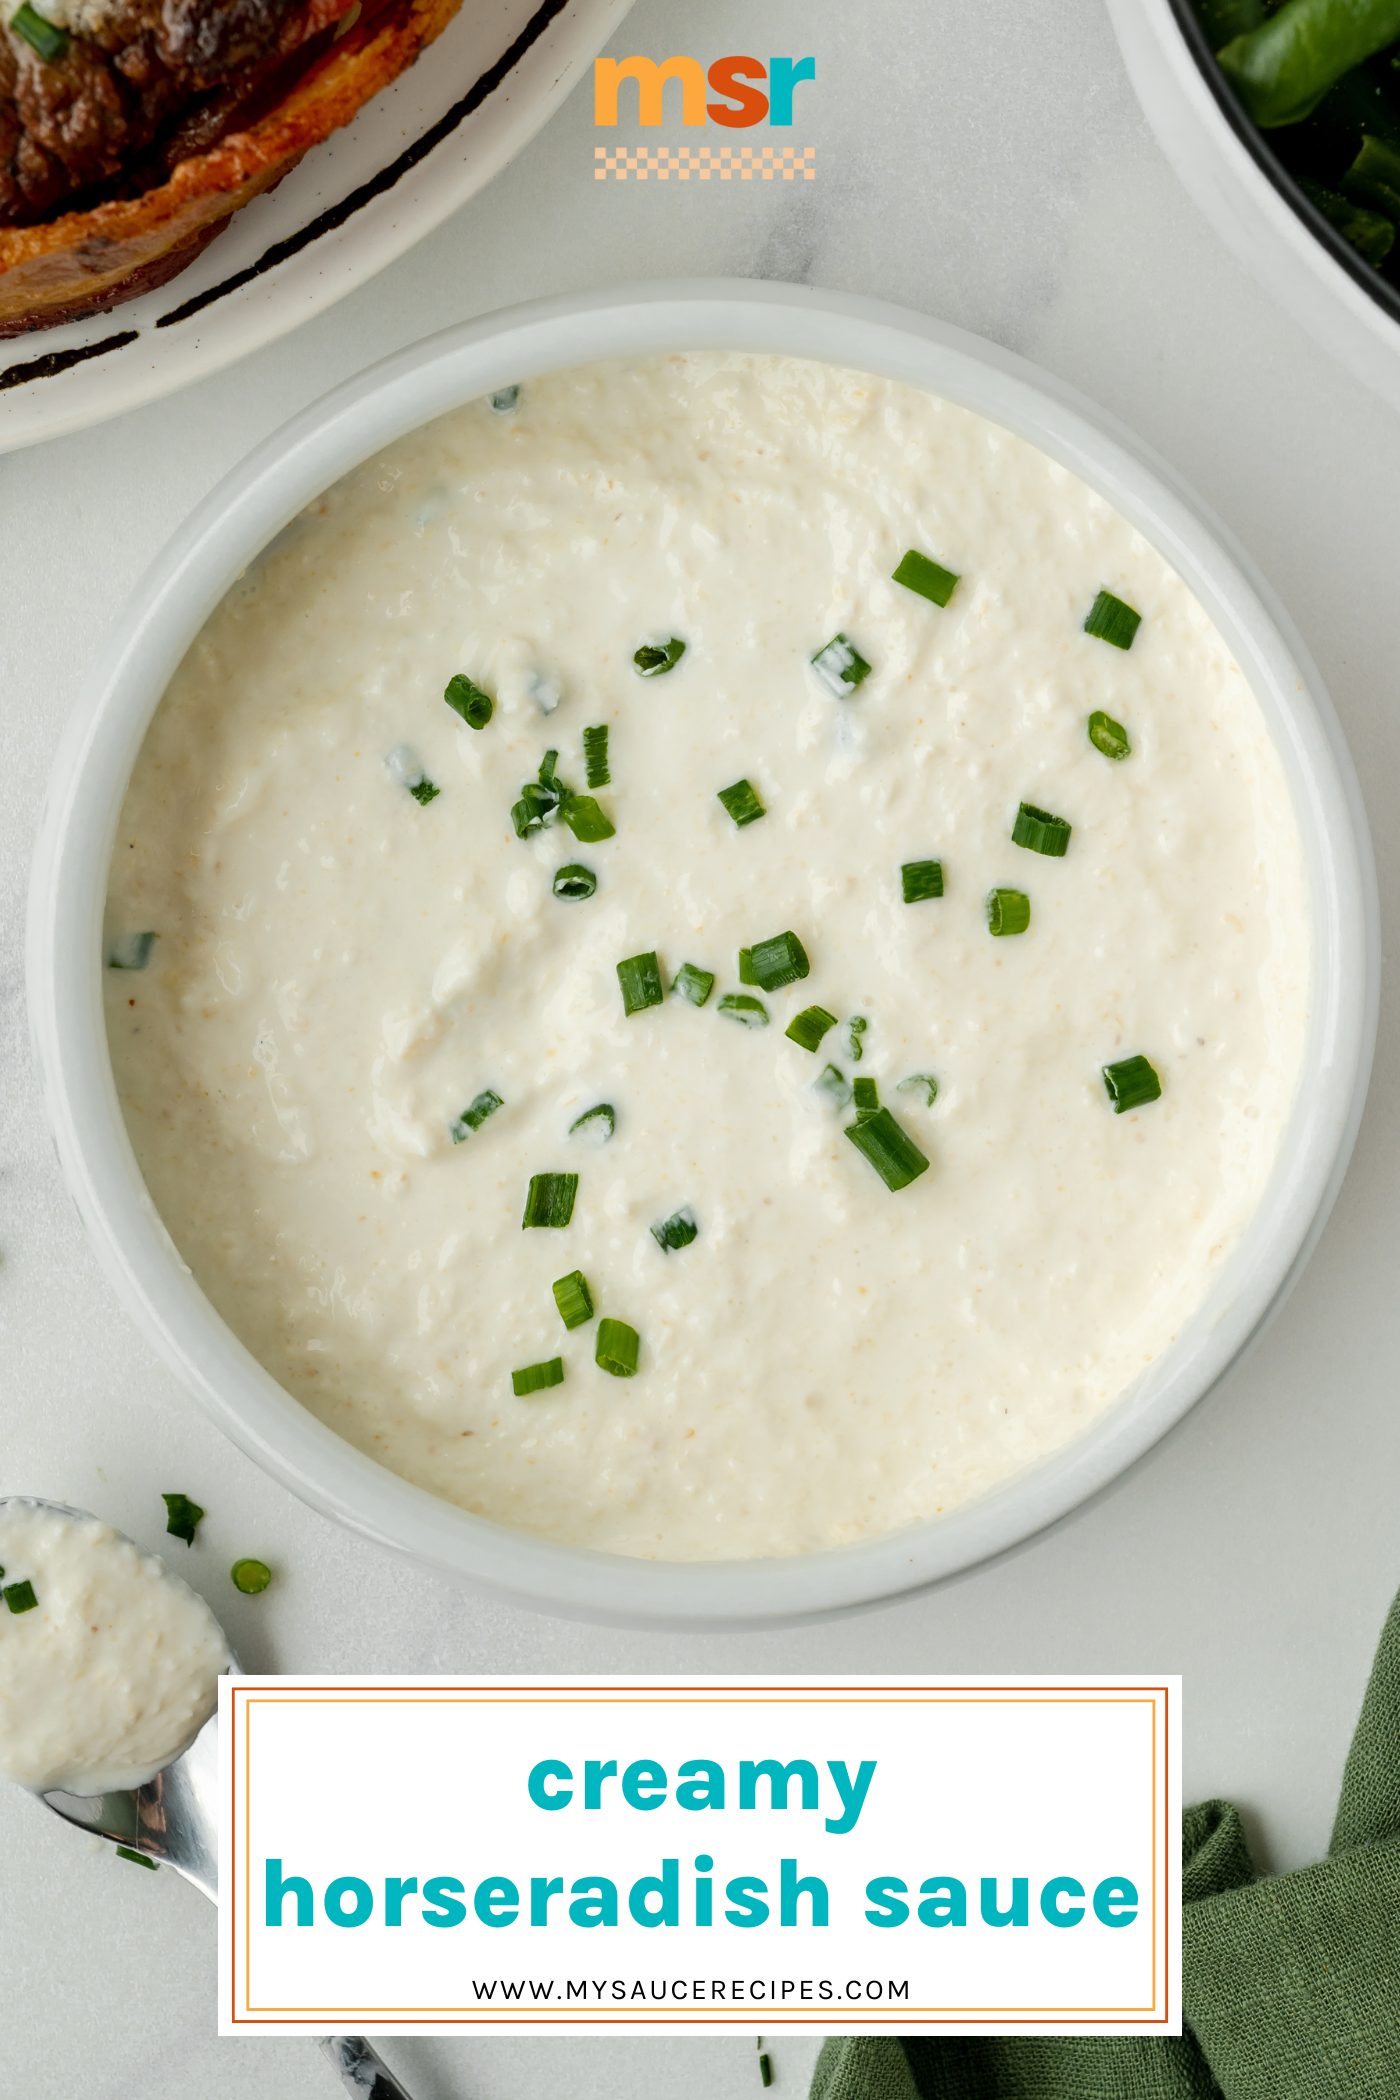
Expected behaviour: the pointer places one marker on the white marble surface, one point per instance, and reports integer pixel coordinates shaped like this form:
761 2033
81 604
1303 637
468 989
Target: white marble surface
979 159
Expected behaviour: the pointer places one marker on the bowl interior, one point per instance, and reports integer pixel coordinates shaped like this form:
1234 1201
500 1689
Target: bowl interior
100 749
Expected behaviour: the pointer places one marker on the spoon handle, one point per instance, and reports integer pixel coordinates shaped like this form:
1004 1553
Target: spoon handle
361 2068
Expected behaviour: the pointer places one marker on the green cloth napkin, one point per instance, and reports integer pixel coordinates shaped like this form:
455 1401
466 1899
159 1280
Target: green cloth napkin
1291 1985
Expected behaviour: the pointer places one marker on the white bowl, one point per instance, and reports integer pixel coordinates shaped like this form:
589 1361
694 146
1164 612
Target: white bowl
1231 170
79 823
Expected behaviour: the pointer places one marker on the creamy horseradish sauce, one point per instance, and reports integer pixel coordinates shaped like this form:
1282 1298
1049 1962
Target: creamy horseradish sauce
356 957
109 1666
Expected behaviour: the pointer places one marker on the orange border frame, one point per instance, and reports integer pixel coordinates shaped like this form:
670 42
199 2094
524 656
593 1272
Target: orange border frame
673 1695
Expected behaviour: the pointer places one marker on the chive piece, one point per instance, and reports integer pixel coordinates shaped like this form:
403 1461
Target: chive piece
574 881
840 666
920 1082
475 1114
138 1859
677 1231
424 791
573 1299
1108 736
1039 832
780 960
537 1378
1008 911
1131 1083
130 951
252 1577
743 1008
595 756
640 979
765 2067
20 1596
745 965
1110 620
890 1150
505 400
595 1124
807 1028
182 1517
832 1082
41 35
655 659
921 879
929 578
855 1029
866 1095
618 1348
586 820
742 803
467 699
693 983
550 1200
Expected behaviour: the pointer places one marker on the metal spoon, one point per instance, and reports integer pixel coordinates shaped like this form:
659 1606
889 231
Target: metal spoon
172 1819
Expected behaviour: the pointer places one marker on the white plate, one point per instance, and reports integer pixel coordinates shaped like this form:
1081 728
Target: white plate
104 734
424 146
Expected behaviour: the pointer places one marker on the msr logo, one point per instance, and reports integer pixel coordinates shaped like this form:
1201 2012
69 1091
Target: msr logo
747 90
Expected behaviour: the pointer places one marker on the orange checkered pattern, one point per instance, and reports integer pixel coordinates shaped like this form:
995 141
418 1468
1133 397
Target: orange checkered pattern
705 163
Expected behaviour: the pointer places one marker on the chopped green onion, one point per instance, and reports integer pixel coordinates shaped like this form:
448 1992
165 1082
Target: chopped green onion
640 979
655 659
840 666
537 1378
743 1008
742 803
920 1082
404 765
505 399
595 1124
832 1081
765 2067
807 1028
473 1116
866 1095
1110 620
693 983
1108 736
1008 911
549 1201
182 1517
746 975
20 1596
618 1348
677 1231
424 791
890 1150
586 820
138 1859
250 1576
573 880
573 1299
130 951
1039 832
780 960
1131 1083
855 1029
467 699
918 573
549 768
921 879
42 36
595 756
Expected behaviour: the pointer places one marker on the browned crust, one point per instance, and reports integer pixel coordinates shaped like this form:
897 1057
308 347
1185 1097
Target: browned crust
89 260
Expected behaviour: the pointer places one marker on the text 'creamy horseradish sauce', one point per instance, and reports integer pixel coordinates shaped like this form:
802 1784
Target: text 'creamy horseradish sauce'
413 1017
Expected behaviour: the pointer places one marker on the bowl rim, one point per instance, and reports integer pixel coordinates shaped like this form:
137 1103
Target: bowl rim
1256 143
199 563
